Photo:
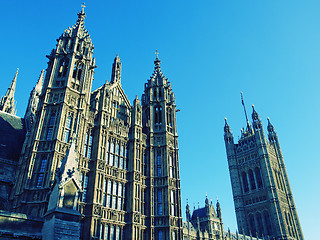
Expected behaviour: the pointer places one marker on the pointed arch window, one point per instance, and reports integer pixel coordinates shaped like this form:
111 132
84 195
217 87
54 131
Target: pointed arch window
87 149
160 235
158 115
85 187
63 67
159 170
67 129
171 165
258 177
251 179
169 117
50 126
245 182
80 68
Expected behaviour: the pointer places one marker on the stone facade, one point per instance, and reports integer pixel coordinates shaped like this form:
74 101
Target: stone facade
262 195
127 183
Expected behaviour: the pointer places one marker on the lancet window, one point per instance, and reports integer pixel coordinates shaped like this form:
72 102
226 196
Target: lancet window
67 129
50 126
87 150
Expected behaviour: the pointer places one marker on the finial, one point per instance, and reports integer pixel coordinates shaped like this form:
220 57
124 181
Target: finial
83 6
157 61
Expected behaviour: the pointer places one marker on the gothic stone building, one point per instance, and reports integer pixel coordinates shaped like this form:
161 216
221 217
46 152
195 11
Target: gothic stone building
262 195
126 184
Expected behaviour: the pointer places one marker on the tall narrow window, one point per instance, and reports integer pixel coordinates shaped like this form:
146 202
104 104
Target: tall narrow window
65 67
112 232
159 164
67 129
169 117
160 235
258 177
251 178
88 145
60 68
118 233
160 210
158 115
172 202
50 126
80 68
74 73
171 165
245 182
85 187
109 196
104 201
43 165
40 180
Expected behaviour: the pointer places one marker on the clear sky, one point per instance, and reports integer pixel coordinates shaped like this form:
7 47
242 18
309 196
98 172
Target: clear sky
210 51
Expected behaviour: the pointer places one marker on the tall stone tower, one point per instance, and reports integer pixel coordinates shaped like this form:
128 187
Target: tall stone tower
162 195
59 108
262 195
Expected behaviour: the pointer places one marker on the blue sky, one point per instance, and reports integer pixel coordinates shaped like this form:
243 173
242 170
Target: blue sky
210 51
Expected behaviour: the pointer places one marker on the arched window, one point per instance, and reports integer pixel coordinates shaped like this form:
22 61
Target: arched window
169 117
155 93
158 115
258 177
245 182
65 67
67 129
160 235
60 68
251 179
80 68
74 73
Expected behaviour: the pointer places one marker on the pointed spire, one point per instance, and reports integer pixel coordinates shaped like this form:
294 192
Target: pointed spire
255 115
81 15
207 200
227 128
39 84
7 102
270 126
157 61
219 215
116 70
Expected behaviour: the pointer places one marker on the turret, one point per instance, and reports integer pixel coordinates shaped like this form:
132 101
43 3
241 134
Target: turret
116 70
257 125
228 137
33 102
7 102
271 132
219 215
207 206
188 212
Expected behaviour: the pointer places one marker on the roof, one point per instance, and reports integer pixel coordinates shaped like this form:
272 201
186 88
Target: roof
12 134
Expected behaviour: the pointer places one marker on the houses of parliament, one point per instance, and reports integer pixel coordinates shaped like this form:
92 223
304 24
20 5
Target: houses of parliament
86 164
